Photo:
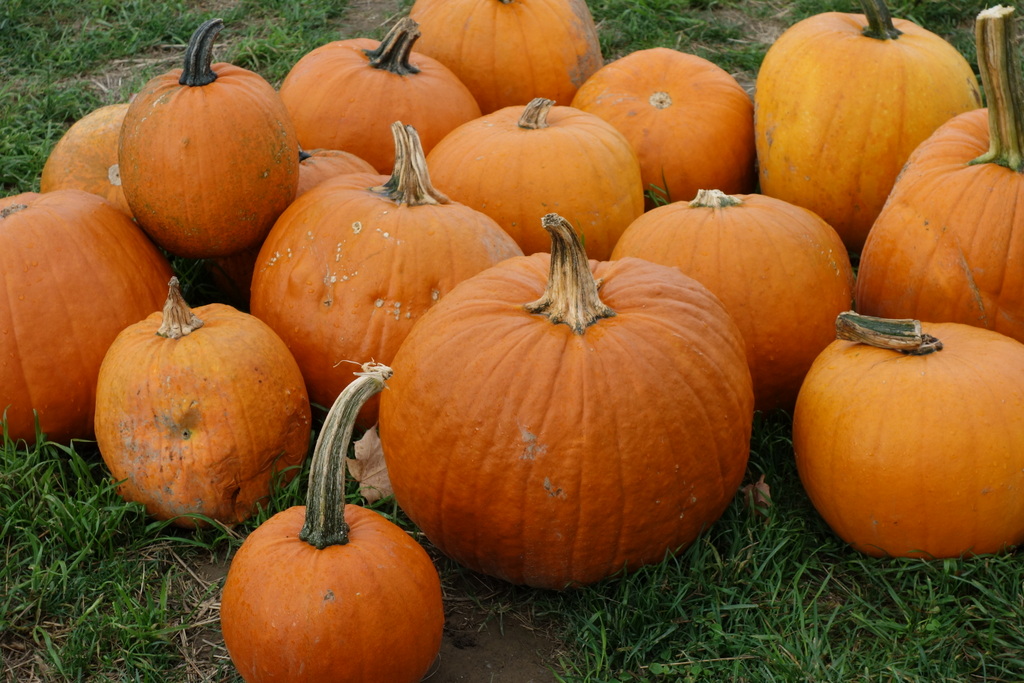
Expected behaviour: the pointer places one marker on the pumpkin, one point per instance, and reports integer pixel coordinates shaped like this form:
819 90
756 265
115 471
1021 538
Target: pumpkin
317 165
345 94
329 592
550 434
949 245
208 155
909 437
74 272
197 411
516 164
351 266
689 121
841 102
85 157
509 52
781 272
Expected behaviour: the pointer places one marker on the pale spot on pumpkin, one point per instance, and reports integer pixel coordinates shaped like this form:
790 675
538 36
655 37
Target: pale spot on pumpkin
434 295
357 227
660 100
114 175
531 449
378 303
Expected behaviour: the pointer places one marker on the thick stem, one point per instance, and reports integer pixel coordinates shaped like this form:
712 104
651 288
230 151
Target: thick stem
199 55
393 52
714 199
179 320
903 334
325 500
536 114
571 295
410 180
1001 79
880 24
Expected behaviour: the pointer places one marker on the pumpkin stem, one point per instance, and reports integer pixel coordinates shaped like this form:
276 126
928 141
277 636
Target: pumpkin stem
410 180
571 295
179 320
199 55
1001 79
714 199
393 52
880 24
903 334
536 114
325 499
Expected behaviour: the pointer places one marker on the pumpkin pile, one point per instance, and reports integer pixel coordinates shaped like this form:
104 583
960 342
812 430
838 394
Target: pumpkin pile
585 277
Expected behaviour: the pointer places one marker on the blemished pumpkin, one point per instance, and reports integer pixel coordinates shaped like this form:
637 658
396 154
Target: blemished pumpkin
949 245
329 592
74 272
690 122
351 266
841 102
510 52
199 412
345 95
781 272
552 434
208 155
85 157
522 162
909 437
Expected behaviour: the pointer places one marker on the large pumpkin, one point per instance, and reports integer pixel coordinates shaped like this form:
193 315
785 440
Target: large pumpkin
329 592
909 437
841 102
197 411
509 52
549 435
351 266
74 272
949 245
520 163
208 155
690 122
781 272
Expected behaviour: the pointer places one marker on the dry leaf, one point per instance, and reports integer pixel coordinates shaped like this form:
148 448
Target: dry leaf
369 469
759 496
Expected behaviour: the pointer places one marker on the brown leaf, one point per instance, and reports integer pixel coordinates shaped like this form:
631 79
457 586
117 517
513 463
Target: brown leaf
369 469
759 496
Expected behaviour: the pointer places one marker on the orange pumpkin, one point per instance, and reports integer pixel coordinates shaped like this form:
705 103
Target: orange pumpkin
344 95
549 435
74 272
351 266
208 155
316 166
690 122
841 102
949 245
781 272
508 53
85 158
520 163
196 411
915 455
329 592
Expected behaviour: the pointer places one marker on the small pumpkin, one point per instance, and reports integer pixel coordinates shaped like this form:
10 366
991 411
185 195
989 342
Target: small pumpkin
329 592
909 437
197 411
317 165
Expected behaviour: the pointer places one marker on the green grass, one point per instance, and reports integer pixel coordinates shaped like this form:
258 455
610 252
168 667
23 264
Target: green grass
92 589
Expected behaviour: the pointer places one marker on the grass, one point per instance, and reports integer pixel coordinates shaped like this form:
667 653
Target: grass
92 589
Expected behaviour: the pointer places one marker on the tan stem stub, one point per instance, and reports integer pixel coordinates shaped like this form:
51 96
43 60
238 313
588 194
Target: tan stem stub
12 209
897 334
198 69
535 115
1004 90
660 100
571 295
325 523
395 49
410 180
714 199
879 18
178 320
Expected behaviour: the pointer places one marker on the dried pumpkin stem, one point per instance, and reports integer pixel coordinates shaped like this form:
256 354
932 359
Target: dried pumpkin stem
325 500
198 69
178 320
535 115
714 199
571 295
393 52
898 334
410 180
1001 79
880 24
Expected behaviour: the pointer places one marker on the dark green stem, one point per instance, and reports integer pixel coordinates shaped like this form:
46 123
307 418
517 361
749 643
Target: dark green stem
902 334
199 55
1001 79
393 52
879 21
410 180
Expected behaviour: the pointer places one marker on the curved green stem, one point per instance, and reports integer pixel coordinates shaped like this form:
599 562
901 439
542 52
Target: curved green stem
199 55
898 334
880 24
1001 79
393 52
